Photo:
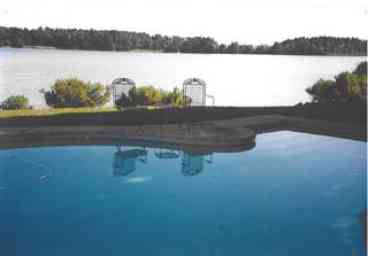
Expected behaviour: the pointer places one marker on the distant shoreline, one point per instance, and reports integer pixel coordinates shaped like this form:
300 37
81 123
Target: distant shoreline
37 47
115 40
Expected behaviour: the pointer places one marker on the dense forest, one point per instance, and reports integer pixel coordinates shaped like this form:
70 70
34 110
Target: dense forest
112 40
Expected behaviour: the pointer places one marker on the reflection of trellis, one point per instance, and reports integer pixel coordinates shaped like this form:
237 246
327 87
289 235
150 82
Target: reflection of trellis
125 161
193 164
121 86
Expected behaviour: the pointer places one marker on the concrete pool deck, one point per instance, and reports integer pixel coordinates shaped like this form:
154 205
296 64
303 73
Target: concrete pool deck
210 136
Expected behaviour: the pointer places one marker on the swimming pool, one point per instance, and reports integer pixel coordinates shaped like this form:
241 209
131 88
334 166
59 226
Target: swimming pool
292 194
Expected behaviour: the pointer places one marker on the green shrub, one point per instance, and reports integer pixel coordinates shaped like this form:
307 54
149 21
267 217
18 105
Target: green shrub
174 98
15 102
149 96
347 87
351 86
361 69
74 93
323 90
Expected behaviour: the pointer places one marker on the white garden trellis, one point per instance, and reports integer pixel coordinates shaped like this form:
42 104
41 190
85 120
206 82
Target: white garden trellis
194 92
121 86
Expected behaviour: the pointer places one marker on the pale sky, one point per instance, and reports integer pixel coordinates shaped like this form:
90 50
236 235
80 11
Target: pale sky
245 21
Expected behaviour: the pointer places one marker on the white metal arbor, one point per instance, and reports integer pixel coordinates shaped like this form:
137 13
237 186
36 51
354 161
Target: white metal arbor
194 92
120 86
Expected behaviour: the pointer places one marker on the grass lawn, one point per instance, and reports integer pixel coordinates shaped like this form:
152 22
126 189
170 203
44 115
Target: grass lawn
52 111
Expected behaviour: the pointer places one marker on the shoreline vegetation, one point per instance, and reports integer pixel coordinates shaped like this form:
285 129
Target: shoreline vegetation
113 40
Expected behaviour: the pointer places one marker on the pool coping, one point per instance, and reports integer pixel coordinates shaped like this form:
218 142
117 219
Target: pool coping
229 135
269 123
200 138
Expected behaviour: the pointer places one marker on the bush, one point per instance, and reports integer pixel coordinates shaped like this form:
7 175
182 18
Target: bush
347 87
361 69
75 93
15 102
323 91
174 98
149 95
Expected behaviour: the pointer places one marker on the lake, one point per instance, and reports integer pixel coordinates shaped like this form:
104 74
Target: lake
234 80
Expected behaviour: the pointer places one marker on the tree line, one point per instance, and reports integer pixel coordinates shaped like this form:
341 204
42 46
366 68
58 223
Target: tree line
113 40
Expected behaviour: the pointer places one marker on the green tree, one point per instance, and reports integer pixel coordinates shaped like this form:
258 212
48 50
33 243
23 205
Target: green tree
150 96
233 48
76 93
324 91
361 69
199 45
15 102
175 97
347 87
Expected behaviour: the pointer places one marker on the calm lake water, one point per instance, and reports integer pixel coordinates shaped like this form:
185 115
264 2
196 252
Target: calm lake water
234 80
292 194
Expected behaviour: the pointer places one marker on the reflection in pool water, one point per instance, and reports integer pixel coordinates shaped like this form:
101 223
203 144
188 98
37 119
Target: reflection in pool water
125 160
293 194
193 164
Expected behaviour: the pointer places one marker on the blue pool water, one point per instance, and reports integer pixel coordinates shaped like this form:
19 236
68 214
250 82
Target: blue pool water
292 194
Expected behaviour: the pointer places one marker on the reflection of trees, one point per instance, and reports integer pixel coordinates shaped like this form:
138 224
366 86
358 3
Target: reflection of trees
125 160
192 164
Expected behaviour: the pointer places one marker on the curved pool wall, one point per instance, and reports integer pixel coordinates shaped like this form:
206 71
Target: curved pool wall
291 194
201 137
212 136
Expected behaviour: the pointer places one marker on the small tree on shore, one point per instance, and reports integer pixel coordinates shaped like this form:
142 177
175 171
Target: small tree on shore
76 93
15 102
